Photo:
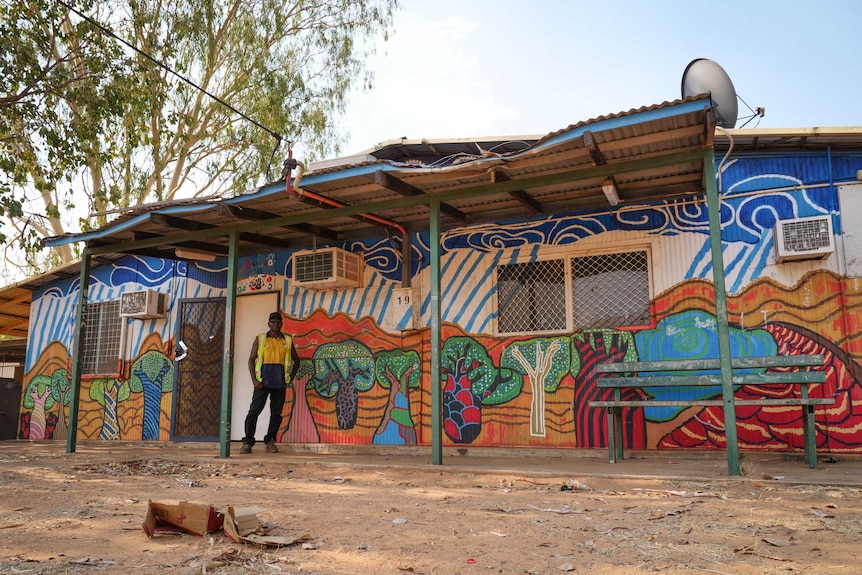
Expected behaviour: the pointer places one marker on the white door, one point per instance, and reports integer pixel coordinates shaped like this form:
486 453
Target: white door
252 315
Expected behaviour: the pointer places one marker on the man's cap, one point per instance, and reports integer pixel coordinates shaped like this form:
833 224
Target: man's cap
275 315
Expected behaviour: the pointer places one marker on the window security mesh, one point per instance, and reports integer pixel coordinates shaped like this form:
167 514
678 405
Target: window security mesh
610 290
101 343
531 297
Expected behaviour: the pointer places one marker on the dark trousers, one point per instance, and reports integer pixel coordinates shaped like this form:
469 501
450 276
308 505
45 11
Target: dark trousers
258 401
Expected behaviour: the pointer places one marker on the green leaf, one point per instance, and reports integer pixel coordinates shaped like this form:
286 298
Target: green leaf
88 113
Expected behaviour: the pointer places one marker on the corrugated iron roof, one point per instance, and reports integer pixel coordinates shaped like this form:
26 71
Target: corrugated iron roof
652 153
15 299
465 174
766 140
477 179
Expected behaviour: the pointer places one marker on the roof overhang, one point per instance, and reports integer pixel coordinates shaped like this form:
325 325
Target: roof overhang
817 139
644 155
15 299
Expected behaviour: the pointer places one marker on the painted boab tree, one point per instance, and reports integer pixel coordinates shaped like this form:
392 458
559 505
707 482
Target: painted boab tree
109 392
397 371
342 370
546 362
471 380
591 348
300 426
152 375
42 394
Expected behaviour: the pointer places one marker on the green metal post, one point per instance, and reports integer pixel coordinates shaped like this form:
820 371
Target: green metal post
78 353
436 344
714 214
229 332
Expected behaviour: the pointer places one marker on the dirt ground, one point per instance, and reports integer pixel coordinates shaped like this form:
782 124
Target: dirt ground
62 513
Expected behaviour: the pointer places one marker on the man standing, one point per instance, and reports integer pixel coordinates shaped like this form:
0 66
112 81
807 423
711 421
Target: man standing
272 363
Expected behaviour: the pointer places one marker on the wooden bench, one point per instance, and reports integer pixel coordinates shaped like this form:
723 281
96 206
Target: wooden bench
621 381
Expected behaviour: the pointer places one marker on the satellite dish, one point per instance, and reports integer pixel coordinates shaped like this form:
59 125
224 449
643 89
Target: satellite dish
704 76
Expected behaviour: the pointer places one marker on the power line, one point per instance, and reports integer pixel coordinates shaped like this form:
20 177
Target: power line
111 33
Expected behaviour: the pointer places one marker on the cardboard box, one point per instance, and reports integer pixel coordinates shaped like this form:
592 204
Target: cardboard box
242 525
194 518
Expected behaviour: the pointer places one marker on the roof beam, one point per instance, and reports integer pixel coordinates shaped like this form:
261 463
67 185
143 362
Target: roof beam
21 323
23 298
216 249
325 203
252 214
520 195
193 226
151 252
709 123
610 186
471 191
593 148
401 187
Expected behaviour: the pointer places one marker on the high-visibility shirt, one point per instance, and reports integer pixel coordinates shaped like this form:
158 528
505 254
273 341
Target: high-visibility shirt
273 357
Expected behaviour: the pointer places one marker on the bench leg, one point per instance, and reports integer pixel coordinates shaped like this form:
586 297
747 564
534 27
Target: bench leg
612 451
618 420
615 434
809 435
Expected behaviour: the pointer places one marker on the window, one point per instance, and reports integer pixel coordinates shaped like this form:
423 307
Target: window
101 338
531 296
610 290
574 293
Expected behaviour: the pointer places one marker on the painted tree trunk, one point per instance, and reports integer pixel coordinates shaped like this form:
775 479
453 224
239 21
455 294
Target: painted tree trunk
300 425
462 410
347 404
37 417
152 402
110 425
396 427
61 429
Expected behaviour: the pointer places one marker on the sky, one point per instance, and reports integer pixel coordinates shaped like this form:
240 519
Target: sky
473 68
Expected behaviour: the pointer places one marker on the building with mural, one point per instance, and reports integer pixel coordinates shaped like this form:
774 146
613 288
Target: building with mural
538 283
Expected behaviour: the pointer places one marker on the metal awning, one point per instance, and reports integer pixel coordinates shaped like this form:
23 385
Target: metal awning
646 155
15 298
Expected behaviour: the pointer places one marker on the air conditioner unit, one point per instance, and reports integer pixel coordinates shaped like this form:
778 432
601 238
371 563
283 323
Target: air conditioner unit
326 268
143 304
804 239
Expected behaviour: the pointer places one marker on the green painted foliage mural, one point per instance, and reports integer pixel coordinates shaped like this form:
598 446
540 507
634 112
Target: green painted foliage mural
398 371
341 371
470 380
545 361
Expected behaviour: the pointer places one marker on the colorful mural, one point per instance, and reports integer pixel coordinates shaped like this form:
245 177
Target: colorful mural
362 383
357 388
398 371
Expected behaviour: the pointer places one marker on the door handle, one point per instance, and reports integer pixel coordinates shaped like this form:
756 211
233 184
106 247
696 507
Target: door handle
184 352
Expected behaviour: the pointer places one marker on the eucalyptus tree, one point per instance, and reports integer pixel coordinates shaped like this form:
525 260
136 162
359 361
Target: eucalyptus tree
117 103
61 87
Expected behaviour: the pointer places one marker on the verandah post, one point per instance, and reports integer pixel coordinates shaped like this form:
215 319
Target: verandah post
723 329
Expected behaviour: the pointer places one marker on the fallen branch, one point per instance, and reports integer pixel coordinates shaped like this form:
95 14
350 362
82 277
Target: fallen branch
563 510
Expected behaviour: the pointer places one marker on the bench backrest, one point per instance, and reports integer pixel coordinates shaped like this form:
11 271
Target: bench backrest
768 361
651 376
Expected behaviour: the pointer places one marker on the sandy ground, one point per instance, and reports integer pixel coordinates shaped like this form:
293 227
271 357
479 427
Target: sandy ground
83 514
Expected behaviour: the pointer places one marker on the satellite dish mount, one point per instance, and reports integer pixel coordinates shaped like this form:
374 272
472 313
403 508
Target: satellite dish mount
703 76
